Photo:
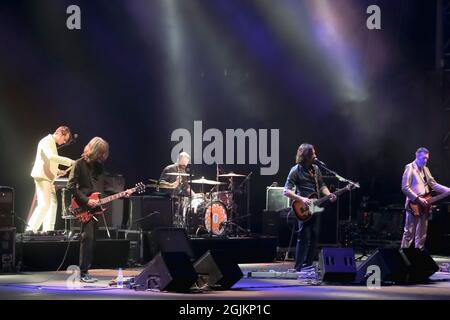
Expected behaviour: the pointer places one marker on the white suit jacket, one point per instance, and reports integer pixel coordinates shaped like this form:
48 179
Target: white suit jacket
47 160
414 185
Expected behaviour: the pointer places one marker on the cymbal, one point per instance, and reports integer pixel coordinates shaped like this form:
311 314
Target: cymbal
182 174
206 181
231 174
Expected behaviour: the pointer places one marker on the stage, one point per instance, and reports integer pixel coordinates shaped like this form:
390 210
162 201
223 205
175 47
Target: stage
52 286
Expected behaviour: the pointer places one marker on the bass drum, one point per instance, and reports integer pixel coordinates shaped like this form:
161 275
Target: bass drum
219 214
226 197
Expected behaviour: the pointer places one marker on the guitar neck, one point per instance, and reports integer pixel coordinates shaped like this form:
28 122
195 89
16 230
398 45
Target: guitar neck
328 197
116 196
439 197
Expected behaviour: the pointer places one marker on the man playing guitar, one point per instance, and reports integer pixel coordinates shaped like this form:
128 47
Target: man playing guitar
416 183
86 177
306 178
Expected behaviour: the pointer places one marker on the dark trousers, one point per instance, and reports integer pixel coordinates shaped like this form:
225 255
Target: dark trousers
87 245
307 240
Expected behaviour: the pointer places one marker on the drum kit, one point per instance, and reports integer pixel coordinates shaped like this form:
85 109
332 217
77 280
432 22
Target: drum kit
212 210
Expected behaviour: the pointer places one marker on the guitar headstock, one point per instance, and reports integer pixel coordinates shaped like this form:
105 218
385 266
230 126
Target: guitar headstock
140 187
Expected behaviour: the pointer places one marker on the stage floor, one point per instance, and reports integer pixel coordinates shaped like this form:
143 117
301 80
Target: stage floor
52 286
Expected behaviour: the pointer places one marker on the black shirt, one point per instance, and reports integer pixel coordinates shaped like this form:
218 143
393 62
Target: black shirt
183 187
303 180
84 179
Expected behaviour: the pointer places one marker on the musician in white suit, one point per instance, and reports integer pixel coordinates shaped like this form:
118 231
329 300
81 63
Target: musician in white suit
416 182
44 173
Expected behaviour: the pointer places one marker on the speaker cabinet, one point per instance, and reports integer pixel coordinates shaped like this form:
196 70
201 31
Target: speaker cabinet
148 212
6 207
168 271
169 240
337 265
420 265
218 270
391 263
404 266
7 249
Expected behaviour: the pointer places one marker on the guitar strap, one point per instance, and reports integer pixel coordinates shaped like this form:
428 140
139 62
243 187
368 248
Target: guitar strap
316 180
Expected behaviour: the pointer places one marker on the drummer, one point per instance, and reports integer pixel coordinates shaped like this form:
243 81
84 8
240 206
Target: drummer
180 183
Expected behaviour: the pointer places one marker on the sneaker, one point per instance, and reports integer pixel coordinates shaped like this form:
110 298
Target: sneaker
308 268
88 279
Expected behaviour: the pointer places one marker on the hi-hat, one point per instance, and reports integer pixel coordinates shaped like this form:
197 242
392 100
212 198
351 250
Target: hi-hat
231 174
178 174
206 181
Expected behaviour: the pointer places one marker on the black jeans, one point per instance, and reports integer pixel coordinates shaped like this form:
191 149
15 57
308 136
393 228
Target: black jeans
87 245
307 240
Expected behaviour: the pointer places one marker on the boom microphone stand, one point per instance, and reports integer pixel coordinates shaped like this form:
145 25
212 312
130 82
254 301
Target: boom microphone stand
342 179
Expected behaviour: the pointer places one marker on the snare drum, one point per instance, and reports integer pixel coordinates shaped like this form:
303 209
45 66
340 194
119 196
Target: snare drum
219 216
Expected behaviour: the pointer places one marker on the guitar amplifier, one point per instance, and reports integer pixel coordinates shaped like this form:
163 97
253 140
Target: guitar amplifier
148 212
6 207
275 200
7 249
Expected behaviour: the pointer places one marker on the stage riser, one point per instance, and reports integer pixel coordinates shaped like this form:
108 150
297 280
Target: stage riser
48 255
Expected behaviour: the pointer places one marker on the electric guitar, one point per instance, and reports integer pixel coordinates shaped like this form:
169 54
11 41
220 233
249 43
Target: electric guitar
304 212
84 215
417 209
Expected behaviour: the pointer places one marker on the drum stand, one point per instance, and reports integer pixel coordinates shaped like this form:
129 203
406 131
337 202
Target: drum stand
229 225
211 215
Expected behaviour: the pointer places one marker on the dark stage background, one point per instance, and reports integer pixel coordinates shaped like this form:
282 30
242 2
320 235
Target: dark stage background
137 70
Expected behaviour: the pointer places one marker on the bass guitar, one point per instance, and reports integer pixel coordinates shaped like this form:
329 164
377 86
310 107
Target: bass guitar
418 209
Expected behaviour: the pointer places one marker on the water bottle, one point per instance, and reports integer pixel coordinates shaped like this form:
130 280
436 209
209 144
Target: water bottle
120 279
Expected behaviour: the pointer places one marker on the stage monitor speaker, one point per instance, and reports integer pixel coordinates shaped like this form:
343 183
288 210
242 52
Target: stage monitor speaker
218 270
393 266
420 265
170 240
6 207
337 265
168 271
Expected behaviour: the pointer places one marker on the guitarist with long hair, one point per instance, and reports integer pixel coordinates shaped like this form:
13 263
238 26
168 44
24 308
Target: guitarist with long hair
86 177
305 177
417 183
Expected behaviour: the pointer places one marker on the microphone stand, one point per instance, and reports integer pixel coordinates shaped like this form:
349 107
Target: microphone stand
345 180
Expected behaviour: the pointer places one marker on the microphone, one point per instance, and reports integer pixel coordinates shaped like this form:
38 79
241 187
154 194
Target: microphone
72 140
246 178
319 163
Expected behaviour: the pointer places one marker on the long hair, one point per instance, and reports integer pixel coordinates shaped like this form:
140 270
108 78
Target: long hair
96 150
304 151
